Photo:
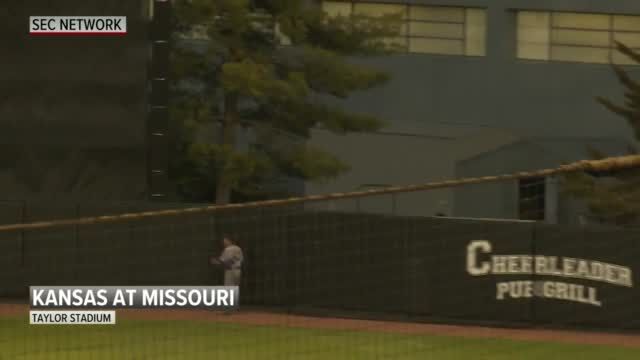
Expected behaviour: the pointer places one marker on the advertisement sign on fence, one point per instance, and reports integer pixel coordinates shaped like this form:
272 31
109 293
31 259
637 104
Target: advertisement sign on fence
481 261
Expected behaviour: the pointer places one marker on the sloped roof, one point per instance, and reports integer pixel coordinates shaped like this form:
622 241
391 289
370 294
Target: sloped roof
575 149
482 142
564 149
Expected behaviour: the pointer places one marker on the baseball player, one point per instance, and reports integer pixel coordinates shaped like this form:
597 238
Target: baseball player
231 260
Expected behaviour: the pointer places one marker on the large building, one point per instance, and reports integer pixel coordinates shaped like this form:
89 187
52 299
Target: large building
479 80
519 77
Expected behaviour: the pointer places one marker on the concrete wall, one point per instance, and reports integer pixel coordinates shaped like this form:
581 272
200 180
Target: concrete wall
72 110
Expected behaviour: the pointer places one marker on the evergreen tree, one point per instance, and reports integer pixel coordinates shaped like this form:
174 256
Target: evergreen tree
238 77
614 198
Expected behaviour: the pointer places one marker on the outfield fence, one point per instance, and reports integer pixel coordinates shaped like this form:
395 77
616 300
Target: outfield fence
303 259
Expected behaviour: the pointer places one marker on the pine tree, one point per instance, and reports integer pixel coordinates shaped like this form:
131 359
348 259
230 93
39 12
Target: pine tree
238 76
614 198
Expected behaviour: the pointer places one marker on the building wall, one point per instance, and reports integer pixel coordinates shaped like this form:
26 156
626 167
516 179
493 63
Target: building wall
498 199
388 159
72 110
498 90
457 95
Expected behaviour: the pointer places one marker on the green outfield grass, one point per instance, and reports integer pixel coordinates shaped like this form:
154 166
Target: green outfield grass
158 339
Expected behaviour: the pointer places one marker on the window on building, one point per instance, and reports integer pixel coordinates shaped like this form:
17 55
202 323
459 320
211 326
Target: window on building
531 199
576 37
426 29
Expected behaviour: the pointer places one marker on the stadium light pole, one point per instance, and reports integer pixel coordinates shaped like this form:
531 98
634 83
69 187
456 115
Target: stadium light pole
158 112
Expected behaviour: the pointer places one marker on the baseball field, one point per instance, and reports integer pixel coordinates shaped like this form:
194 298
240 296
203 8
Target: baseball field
253 335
